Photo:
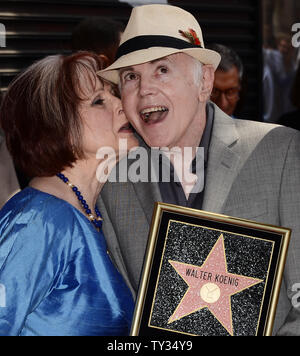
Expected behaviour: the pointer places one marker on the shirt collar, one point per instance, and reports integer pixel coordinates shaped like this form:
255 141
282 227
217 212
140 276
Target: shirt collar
207 133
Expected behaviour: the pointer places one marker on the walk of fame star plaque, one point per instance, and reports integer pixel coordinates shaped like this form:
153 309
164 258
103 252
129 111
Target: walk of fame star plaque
209 274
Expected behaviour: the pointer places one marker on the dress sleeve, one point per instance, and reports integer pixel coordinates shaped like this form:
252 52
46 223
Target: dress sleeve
32 256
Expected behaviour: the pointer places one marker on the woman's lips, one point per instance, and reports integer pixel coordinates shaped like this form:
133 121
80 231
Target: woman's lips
126 128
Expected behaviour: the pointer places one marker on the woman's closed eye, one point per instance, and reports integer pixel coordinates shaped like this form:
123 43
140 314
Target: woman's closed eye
98 101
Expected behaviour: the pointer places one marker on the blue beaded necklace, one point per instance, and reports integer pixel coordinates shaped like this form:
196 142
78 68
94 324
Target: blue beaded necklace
97 221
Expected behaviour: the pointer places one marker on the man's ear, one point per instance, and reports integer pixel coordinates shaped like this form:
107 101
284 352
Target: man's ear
208 77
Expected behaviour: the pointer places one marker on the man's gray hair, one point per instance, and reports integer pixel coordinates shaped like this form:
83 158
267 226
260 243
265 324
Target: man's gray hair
198 72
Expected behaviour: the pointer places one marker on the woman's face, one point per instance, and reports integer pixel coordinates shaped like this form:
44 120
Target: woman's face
104 123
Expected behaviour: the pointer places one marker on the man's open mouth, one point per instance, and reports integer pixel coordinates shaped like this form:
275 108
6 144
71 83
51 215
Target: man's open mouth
154 114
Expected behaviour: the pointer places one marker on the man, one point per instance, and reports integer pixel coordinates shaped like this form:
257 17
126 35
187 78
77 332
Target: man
251 170
228 79
281 63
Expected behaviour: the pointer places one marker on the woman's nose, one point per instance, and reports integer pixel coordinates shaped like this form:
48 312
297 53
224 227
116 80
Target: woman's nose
117 106
120 111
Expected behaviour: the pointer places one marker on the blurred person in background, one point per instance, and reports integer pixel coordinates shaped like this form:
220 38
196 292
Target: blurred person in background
280 67
227 87
278 17
99 35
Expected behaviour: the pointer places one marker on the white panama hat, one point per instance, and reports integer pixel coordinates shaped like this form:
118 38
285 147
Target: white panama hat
156 31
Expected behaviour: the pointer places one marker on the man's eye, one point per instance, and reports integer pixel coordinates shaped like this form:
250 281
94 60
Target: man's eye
130 76
163 70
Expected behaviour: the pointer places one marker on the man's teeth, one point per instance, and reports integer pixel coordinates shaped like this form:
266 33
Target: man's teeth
146 113
154 109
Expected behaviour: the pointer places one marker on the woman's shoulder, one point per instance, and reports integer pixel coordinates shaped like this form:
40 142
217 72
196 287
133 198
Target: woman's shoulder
34 225
41 217
31 204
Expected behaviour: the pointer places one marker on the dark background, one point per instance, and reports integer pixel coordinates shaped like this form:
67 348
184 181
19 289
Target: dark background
38 28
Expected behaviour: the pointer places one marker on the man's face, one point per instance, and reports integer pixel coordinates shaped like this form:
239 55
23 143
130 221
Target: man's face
164 101
284 46
226 90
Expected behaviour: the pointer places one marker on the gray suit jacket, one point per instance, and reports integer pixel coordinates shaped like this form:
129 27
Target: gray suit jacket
253 173
8 179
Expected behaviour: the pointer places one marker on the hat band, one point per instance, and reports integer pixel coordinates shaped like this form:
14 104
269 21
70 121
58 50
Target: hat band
144 42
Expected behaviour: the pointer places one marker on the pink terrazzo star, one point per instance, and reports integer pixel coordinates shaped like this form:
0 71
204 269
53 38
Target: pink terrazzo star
210 286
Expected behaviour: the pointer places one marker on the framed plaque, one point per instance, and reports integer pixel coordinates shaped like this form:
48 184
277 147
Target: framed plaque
208 274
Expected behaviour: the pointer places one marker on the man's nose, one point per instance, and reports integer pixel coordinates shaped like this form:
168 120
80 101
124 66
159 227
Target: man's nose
147 86
223 101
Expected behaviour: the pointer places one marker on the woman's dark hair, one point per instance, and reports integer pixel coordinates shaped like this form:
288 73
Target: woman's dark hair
39 113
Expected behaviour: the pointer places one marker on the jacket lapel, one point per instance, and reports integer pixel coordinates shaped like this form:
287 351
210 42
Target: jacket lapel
223 164
147 193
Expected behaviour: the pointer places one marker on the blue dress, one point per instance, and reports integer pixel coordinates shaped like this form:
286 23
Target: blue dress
56 277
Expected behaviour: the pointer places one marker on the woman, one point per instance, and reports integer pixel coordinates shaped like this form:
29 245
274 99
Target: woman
54 266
